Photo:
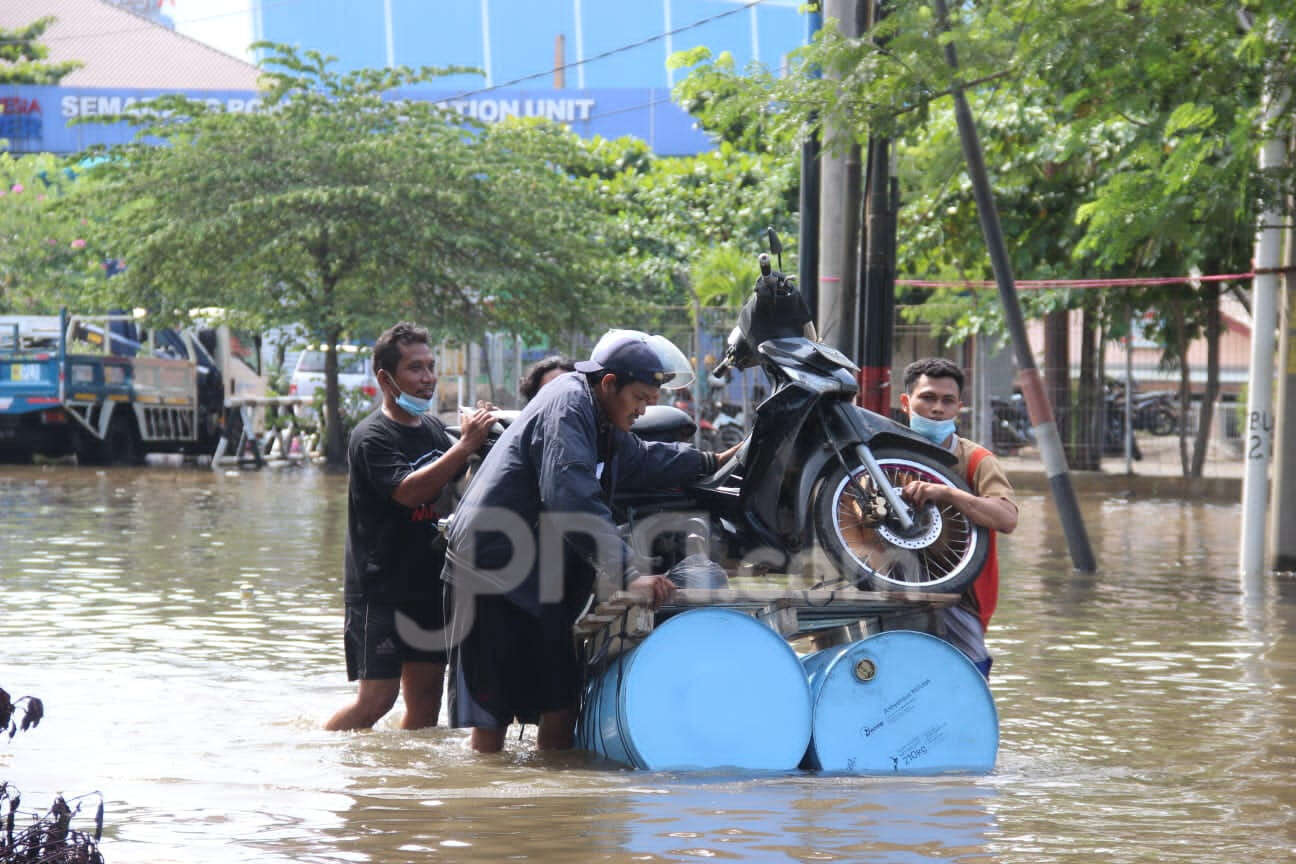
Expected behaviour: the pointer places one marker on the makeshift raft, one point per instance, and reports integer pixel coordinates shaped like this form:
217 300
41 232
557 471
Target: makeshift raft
627 617
710 680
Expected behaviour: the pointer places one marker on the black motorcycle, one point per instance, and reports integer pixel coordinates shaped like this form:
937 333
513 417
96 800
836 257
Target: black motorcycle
816 472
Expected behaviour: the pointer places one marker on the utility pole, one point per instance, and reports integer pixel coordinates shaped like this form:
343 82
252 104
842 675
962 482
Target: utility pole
808 234
875 321
835 319
1282 544
1037 403
1264 313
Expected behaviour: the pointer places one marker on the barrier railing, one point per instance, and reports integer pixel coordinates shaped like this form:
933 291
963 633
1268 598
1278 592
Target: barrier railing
253 438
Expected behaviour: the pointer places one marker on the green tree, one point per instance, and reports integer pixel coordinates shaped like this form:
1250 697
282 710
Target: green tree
22 56
47 253
1121 140
343 208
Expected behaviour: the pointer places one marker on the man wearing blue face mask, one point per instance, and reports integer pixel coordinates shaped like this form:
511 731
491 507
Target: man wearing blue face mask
402 464
931 399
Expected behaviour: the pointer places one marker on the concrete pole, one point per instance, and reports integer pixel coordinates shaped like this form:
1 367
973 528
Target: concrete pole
699 370
1282 544
1129 399
518 347
982 412
474 371
836 302
1037 402
1264 313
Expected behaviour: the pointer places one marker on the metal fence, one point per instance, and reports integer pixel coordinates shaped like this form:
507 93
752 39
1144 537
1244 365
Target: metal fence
994 412
1160 435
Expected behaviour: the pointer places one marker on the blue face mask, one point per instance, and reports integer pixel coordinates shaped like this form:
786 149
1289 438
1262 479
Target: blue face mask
935 431
413 404
410 404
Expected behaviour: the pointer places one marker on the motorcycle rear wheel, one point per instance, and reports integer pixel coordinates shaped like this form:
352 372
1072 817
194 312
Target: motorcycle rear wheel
1165 421
944 552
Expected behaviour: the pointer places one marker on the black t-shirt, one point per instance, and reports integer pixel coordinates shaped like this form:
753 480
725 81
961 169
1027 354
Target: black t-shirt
394 553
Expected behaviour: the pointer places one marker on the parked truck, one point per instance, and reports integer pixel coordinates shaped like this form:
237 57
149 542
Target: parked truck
110 391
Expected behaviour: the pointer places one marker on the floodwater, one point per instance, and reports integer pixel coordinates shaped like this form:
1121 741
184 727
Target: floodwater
1148 713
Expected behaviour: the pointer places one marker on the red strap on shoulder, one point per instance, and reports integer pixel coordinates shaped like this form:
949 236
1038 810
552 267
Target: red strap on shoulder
985 590
973 461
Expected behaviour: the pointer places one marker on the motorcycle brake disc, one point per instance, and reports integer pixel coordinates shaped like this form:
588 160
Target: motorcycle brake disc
925 531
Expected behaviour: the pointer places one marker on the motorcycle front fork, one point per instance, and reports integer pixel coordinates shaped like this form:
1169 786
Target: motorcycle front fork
899 509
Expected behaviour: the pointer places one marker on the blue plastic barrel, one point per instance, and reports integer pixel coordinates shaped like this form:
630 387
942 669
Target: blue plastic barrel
709 688
900 703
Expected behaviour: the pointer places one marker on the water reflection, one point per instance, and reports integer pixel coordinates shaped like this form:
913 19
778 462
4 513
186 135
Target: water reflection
1146 710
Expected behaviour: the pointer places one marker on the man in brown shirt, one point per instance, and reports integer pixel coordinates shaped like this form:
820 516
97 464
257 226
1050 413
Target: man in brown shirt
932 399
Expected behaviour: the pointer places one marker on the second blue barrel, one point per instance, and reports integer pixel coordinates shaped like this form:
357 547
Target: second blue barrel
900 702
709 688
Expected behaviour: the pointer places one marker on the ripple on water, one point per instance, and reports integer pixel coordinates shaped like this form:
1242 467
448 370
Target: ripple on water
1146 710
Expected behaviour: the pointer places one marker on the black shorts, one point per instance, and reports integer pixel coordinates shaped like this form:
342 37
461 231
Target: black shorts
513 665
374 647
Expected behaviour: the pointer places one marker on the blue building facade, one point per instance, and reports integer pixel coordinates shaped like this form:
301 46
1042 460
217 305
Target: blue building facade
514 39
616 79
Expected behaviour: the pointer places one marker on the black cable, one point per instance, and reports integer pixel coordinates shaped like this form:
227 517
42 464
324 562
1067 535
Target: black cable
611 52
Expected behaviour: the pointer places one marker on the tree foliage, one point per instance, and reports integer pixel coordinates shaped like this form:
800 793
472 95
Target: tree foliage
22 56
671 214
1121 140
344 207
47 254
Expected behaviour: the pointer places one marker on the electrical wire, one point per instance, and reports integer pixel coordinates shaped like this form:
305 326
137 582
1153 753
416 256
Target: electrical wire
630 46
1037 284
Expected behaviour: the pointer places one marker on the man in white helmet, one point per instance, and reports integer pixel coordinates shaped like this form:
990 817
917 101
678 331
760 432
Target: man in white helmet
559 463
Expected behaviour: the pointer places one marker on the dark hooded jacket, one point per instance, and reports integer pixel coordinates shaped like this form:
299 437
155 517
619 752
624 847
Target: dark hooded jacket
561 456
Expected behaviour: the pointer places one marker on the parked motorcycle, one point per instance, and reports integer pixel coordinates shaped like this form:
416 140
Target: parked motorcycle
1010 430
816 470
728 424
1155 411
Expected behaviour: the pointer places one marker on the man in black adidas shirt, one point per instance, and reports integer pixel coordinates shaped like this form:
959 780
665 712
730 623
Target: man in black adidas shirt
402 464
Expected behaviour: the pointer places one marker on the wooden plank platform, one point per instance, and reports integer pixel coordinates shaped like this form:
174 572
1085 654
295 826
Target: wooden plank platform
628 617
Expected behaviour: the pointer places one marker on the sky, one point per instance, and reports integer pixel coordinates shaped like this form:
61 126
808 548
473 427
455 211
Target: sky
223 24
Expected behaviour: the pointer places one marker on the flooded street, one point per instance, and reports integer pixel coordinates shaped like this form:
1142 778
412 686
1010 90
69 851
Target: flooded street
1148 713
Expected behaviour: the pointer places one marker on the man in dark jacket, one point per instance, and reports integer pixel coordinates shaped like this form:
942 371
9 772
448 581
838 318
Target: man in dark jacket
534 533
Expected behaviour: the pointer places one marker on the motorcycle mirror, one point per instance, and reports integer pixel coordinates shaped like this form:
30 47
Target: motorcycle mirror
775 245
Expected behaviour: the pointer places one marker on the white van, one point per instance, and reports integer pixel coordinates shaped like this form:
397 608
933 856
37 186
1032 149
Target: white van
355 371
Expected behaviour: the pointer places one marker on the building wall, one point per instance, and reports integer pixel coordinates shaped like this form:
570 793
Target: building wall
510 39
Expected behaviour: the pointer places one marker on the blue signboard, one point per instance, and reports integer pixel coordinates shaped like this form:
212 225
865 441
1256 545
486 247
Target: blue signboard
47 119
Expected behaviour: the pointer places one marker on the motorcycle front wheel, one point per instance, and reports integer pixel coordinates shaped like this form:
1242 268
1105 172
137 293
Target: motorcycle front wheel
943 552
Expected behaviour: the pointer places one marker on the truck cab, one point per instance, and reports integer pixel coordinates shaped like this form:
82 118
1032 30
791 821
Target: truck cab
106 389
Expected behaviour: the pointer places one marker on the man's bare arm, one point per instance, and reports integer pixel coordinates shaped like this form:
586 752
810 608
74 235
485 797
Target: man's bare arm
997 514
426 483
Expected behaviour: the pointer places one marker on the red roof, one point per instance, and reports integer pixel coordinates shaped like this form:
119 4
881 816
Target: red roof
120 49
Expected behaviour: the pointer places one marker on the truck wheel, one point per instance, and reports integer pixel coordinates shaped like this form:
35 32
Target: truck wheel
123 442
90 450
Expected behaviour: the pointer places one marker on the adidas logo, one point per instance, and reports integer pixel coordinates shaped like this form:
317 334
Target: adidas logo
387 646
